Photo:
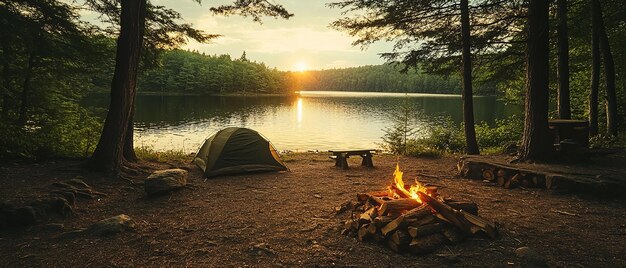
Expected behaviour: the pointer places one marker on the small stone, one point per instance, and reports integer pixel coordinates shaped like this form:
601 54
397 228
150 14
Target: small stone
164 181
531 257
113 225
317 196
262 249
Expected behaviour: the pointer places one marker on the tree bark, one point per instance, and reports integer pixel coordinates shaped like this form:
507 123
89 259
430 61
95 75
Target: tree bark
609 72
6 75
563 61
22 118
536 140
466 73
109 153
129 144
595 70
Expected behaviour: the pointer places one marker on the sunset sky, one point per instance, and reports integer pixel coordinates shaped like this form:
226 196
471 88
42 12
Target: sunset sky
304 40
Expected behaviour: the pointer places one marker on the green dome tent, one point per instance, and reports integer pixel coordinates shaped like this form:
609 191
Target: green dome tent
236 150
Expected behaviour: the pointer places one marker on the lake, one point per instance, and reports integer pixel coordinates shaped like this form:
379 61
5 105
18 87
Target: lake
312 121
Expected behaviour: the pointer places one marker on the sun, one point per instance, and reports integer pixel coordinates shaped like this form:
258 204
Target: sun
301 66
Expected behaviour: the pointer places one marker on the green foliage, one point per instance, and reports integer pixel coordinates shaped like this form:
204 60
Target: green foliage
190 72
505 131
168 156
401 130
447 137
383 78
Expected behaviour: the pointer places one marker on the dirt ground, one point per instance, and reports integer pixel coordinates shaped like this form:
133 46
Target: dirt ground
291 217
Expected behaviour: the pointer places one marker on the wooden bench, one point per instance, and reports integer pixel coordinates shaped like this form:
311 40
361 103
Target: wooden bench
341 157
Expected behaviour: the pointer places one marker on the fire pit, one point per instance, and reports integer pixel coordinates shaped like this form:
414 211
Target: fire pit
414 218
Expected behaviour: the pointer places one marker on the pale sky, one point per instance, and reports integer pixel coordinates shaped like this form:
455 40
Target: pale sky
304 40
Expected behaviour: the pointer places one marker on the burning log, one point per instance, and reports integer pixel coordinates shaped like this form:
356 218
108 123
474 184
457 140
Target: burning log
396 206
393 225
468 223
418 212
401 191
413 219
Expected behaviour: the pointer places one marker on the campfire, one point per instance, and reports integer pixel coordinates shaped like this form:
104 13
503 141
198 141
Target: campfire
414 218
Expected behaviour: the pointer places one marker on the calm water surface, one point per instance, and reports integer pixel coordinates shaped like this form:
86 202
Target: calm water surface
312 121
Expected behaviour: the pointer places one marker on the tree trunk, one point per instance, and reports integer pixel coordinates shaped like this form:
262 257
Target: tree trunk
109 153
536 140
129 144
609 73
466 74
6 75
22 118
595 70
563 61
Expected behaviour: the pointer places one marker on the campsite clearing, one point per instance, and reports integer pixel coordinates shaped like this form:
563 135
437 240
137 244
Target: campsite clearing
289 220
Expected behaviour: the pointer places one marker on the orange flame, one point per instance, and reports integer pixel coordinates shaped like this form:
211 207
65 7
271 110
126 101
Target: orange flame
399 183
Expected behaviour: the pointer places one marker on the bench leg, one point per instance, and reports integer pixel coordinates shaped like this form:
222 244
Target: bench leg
344 162
367 161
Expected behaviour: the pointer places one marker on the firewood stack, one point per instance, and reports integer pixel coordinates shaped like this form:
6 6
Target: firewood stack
415 225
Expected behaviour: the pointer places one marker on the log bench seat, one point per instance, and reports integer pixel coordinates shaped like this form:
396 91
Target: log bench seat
341 157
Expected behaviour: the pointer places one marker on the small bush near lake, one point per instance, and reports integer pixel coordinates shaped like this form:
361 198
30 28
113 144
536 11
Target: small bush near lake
150 154
448 138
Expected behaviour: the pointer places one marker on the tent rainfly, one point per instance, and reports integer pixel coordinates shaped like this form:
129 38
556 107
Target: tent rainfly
236 150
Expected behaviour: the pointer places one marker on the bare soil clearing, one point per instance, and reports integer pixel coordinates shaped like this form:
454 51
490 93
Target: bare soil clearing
289 220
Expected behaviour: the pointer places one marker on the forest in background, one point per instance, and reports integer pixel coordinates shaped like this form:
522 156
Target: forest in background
50 59
191 72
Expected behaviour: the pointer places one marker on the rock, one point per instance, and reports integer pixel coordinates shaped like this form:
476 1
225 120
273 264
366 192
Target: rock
262 249
317 196
112 226
531 257
165 181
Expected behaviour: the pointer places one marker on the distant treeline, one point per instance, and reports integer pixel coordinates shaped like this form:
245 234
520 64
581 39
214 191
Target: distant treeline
190 72
382 78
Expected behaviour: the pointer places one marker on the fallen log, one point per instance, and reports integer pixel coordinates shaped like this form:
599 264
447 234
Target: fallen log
488 174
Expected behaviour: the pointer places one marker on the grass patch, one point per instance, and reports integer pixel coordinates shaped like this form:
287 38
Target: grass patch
150 154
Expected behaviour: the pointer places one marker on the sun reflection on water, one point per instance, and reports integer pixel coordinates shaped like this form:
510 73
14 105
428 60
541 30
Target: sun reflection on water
299 111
